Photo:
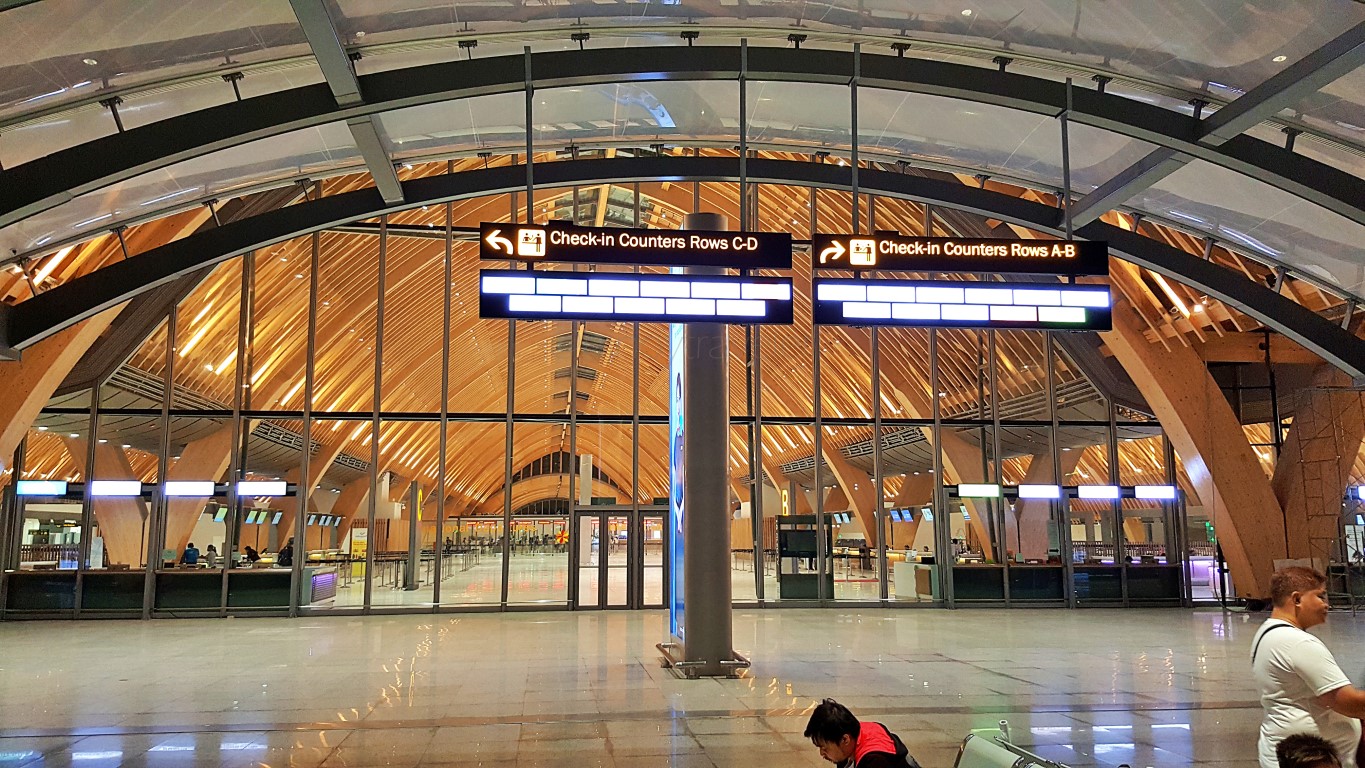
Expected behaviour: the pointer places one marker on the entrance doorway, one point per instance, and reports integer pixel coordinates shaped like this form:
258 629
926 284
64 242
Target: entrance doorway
618 557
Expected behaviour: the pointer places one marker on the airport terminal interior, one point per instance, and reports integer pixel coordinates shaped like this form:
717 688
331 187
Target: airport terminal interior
325 443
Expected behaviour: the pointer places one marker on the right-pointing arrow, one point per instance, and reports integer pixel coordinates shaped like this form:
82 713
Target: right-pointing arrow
834 252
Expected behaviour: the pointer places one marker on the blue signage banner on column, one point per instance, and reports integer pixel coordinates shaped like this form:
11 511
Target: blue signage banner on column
677 365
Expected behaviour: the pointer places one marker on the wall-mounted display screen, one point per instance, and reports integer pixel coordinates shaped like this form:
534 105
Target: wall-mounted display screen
564 242
889 250
630 298
962 304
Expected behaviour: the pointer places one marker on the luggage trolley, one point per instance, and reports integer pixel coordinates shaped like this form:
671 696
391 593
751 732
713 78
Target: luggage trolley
982 749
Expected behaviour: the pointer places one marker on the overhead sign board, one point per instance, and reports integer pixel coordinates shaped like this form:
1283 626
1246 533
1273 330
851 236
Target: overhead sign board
962 304
614 245
890 251
545 295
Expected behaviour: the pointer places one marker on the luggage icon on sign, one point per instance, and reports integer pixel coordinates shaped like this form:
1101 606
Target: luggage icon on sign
862 252
531 243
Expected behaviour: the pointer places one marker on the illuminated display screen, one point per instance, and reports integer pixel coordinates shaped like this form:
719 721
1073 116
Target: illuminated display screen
40 488
1045 306
888 250
614 245
643 298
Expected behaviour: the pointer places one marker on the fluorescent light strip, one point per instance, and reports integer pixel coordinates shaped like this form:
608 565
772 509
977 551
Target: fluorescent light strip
257 488
978 491
1097 492
1040 492
1098 298
1360 493
1012 314
1155 492
40 488
667 289
115 488
189 488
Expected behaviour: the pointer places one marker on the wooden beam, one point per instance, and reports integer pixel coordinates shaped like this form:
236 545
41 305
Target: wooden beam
1250 348
1205 432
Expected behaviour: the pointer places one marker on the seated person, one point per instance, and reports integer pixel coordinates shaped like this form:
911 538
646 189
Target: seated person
190 556
850 744
251 554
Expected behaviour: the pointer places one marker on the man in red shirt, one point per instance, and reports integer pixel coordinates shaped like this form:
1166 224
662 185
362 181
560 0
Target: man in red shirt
850 744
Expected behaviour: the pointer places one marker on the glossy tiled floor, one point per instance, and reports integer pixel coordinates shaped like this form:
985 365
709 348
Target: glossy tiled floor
1167 688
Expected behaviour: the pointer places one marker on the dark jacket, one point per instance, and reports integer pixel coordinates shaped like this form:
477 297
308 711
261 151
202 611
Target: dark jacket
878 747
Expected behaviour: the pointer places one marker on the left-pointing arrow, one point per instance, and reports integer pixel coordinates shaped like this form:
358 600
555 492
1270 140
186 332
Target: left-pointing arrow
499 243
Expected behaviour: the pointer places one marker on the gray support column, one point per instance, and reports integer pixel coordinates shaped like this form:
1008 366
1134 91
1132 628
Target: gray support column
706 492
414 538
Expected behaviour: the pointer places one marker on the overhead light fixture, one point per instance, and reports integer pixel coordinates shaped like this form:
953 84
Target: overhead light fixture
189 488
115 488
257 488
966 11
1040 492
40 488
1279 59
978 491
1155 492
1097 492
90 62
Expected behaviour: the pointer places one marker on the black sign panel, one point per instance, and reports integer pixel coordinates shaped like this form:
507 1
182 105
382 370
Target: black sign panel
962 304
614 245
888 250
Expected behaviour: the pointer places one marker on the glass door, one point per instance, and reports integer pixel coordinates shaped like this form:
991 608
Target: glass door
619 557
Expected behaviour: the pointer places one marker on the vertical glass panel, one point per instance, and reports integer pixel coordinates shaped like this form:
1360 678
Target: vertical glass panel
206 341
849 506
787 355
975 524
414 297
964 374
1085 462
277 335
654 369
495 121
347 301
908 490
50 525
652 488
404 534
788 528
340 467
478 348
472 570
743 587
541 464
1148 524
779 114
544 355
127 447
1033 527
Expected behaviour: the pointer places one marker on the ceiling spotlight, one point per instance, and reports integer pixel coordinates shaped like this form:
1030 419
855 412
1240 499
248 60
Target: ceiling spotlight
75 434
361 33
1280 58
966 11
42 429
90 62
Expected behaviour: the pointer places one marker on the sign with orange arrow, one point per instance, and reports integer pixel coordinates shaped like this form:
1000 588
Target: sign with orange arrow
891 251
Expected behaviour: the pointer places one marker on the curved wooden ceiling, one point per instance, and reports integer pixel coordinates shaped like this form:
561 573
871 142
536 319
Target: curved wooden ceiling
206 344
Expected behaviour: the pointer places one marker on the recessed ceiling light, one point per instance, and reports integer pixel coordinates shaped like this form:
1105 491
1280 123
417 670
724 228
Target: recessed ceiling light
1279 59
361 33
966 11
90 62
75 434
42 429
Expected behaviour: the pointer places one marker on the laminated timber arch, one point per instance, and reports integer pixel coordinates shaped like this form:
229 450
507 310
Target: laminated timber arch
49 312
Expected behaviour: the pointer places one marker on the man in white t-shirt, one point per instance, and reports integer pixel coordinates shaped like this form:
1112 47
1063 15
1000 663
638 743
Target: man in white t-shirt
1302 688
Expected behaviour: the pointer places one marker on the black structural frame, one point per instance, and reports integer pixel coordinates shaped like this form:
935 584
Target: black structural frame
47 182
49 312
